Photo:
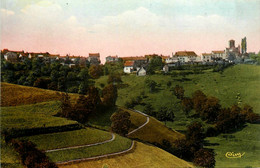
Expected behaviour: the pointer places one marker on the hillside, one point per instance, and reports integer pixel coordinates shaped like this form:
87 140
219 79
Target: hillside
143 156
14 95
154 132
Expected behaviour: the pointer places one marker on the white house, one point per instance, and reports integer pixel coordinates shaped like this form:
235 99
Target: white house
186 56
112 58
141 72
171 60
219 54
129 66
206 57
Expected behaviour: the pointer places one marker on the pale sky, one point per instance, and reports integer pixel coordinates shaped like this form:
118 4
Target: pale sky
128 27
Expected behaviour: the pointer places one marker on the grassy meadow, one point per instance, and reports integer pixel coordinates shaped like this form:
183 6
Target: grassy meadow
238 79
143 156
68 138
33 116
119 144
14 95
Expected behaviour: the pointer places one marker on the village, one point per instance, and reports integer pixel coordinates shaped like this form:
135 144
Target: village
139 64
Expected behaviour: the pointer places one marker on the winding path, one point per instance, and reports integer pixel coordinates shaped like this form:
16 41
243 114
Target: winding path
98 157
82 146
147 121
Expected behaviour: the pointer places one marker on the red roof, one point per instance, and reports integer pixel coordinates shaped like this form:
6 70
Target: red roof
219 52
94 55
185 53
206 54
129 63
133 58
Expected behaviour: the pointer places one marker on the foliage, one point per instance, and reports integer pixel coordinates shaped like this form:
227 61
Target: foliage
198 98
187 104
151 84
165 114
31 157
204 158
120 122
210 109
42 82
114 78
95 71
178 92
109 95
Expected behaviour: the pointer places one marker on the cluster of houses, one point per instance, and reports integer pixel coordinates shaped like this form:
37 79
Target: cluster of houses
138 64
20 56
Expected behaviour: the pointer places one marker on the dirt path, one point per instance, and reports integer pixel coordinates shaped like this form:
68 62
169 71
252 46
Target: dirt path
97 157
147 121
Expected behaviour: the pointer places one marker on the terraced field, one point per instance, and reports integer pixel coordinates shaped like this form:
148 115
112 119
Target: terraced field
33 116
143 156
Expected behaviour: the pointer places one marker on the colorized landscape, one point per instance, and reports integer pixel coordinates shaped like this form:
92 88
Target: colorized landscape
130 84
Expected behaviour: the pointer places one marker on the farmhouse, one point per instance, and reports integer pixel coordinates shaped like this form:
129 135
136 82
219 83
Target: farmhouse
206 57
112 58
141 72
219 55
186 56
94 58
11 57
129 66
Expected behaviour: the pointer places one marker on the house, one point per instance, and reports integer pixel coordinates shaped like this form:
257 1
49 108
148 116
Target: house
186 56
129 66
11 57
112 58
94 58
217 55
206 57
171 60
141 72
166 68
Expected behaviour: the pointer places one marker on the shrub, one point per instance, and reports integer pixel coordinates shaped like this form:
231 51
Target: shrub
204 158
178 92
120 122
187 104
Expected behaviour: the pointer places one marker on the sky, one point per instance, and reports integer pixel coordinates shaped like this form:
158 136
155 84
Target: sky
128 27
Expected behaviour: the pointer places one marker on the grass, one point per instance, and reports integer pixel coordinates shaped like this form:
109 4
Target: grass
69 138
9 157
32 116
246 141
143 156
154 132
119 144
14 95
238 79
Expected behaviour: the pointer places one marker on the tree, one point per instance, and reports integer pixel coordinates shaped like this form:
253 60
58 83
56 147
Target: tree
251 117
195 135
42 82
109 95
151 84
210 109
83 74
198 99
148 109
120 122
93 99
165 114
114 78
66 107
204 158
178 92
95 71
187 104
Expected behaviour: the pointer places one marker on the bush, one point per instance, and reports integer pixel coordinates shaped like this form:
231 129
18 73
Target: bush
187 104
204 158
178 92
120 122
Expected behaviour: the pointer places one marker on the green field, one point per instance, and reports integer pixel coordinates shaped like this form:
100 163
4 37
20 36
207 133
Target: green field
32 116
9 158
69 138
119 144
238 79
